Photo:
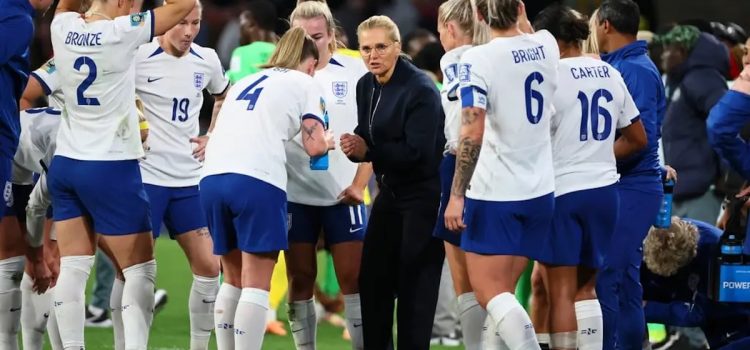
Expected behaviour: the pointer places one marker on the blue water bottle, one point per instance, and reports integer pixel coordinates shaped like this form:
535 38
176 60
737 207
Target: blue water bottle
664 219
731 250
320 162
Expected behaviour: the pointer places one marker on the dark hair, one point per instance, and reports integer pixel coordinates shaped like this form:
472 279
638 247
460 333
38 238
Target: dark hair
419 33
263 13
429 57
623 15
500 14
564 23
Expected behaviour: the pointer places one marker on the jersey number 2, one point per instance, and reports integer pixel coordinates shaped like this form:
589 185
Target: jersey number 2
593 115
86 83
252 97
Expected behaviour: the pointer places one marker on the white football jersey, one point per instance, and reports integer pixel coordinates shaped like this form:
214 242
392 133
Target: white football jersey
259 115
97 75
171 89
514 79
36 144
47 77
449 95
592 103
338 82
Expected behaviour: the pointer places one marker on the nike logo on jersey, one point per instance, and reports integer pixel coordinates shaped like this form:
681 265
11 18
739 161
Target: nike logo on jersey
14 309
206 301
357 325
151 80
355 229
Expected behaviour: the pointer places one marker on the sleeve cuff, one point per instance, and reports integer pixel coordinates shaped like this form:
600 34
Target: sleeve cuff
315 117
225 89
45 87
153 25
473 96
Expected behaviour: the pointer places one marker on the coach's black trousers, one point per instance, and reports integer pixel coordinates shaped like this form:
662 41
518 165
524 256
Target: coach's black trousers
401 260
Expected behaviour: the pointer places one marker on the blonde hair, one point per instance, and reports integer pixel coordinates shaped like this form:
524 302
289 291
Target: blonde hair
293 48
382 22
591 44
464 13
667 250
501 14
312 9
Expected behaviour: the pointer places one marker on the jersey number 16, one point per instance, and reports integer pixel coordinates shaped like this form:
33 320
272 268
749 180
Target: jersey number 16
591 116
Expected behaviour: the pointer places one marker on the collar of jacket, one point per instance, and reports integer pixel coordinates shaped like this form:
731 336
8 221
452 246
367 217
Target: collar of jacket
636 48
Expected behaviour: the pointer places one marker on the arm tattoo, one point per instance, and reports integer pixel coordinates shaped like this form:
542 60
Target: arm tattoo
467 156
466 162
309 131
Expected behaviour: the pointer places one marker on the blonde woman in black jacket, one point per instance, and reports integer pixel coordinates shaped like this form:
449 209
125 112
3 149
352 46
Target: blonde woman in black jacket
400 131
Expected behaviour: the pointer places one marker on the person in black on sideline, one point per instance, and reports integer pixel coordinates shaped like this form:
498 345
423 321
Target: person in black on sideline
400 131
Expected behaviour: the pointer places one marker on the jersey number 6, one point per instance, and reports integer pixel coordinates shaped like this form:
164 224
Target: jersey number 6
534 118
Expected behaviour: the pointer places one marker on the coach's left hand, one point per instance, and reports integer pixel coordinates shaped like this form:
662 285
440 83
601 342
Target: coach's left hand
199 152
454 214
353 146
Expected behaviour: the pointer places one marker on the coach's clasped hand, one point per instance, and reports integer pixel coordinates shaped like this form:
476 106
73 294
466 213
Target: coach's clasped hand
353 146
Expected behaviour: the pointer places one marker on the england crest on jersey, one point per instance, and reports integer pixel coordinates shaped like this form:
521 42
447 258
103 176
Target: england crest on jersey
198 79
340 88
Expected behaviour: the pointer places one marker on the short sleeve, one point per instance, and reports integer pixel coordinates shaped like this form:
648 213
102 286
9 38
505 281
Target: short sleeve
315 104
471 76
218 82
47 77
135 29
629 112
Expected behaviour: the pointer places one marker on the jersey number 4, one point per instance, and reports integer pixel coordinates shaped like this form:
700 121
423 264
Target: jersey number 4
591 116
86 83
251 94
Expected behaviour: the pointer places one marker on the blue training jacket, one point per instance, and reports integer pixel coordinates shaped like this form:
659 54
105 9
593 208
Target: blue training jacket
16 32
726 120
645 85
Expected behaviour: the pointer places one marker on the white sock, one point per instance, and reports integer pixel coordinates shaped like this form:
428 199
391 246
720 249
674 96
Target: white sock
303 323
224 312
138 304
201 305
590 325
68 299
11 272
53 332
250 319
115 311
271 315
490 337
353 314
34 313
512 322
472 317
563 341
543 338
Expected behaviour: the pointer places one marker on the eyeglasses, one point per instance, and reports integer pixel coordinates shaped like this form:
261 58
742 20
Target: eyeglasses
366 51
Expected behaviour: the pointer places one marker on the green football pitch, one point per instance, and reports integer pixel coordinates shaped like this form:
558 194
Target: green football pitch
171 327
